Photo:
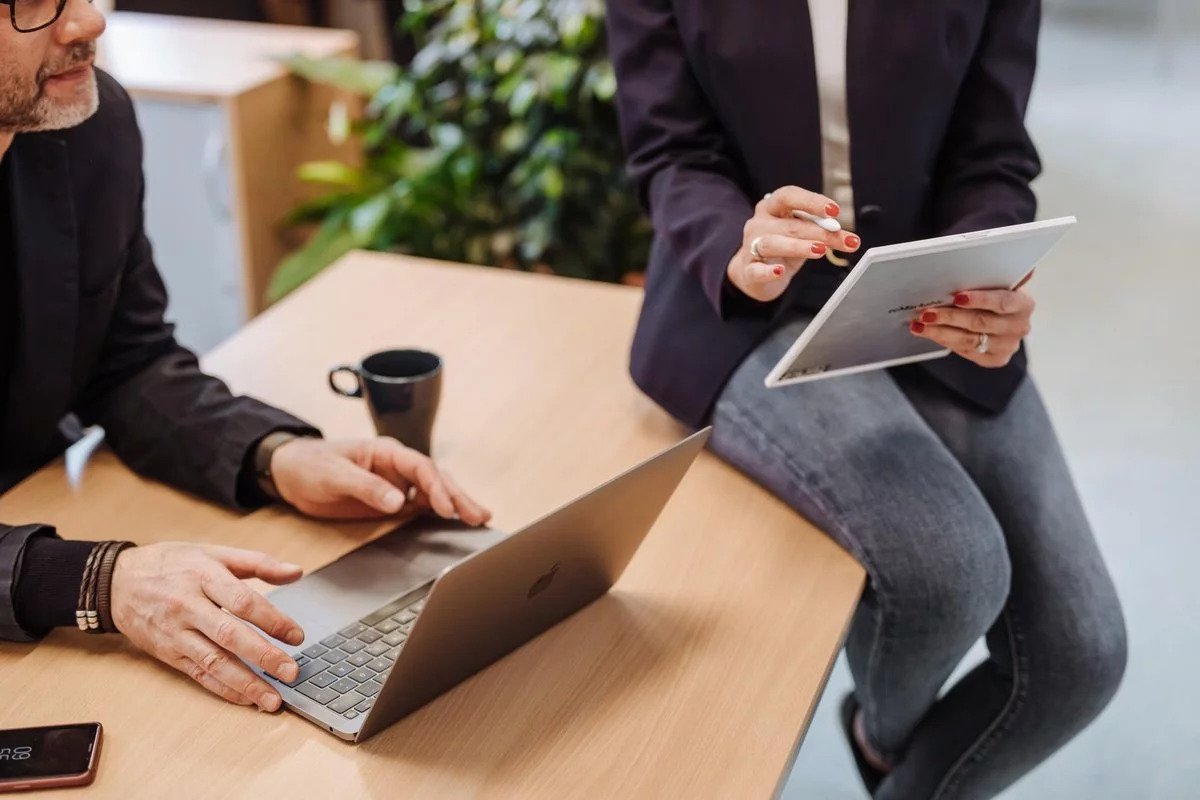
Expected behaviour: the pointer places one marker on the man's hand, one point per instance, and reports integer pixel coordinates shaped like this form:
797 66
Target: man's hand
167 599
365 479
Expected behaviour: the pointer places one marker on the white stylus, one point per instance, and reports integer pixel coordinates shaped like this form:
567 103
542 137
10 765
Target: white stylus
828 223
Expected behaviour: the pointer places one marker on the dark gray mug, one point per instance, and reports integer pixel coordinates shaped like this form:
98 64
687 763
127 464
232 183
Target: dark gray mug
402 389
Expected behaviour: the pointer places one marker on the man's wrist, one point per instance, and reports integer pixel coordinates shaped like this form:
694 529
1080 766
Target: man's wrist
264 452
48 581
249 494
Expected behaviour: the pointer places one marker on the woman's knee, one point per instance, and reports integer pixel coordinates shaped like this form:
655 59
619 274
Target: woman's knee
957 586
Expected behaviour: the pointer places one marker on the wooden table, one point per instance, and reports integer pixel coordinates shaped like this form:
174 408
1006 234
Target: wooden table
696 677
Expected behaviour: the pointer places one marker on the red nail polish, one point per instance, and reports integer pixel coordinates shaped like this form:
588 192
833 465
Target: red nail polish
778 271
961 299
929 316
818 248
918 327
853 242
832 210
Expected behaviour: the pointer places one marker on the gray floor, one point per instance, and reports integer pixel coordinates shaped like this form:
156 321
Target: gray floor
1118 358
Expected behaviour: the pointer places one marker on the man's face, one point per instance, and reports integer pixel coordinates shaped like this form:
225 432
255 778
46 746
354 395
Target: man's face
46 77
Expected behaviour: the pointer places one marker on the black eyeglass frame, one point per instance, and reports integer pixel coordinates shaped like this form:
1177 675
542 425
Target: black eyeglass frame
12 16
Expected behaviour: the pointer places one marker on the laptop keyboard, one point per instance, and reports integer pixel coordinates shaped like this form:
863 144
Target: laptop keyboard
345 671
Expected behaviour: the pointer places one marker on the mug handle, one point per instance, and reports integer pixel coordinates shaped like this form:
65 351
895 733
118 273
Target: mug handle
356 391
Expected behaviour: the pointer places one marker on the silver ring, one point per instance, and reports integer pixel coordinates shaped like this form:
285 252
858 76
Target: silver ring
982 347
754 248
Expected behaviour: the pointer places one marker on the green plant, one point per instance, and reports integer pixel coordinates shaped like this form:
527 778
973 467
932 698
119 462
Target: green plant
497 145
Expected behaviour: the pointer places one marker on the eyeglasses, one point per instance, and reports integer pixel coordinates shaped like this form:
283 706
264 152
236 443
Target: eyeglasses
32 15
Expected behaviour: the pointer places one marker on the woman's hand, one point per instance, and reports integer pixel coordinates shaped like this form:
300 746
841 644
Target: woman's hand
784 243
984 326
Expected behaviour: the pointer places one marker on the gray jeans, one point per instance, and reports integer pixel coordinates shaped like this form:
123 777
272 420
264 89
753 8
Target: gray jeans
968 525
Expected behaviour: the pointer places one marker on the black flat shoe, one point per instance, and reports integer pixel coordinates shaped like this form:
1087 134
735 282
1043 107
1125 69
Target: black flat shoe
871 777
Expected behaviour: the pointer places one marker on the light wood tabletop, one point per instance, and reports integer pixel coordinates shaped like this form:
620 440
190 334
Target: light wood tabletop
186 58
695 677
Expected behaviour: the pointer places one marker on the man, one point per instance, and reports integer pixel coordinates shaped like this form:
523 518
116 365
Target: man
82 333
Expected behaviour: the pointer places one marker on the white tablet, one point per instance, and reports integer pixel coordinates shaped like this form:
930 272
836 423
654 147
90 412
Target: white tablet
864 326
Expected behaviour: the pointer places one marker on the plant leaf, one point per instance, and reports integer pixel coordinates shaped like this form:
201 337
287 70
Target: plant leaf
351 74
332 241
334 173
522 98
366 219
318 208
498 144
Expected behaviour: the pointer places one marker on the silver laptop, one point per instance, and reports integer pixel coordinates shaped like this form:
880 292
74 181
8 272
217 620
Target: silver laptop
387 633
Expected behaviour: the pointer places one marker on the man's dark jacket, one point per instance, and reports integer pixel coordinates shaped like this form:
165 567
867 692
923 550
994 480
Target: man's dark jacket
90 342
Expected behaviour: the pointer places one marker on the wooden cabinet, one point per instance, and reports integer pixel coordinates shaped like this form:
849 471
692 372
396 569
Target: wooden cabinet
225 128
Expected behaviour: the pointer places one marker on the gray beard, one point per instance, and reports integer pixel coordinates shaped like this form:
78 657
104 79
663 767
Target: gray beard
28 113
57 115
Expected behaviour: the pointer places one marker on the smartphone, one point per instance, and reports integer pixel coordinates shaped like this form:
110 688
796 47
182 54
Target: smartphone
44 758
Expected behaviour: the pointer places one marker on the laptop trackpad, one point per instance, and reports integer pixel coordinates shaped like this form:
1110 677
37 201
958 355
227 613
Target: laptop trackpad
376 573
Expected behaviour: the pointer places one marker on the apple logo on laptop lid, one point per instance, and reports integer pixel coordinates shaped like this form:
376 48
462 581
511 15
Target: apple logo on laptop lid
542 583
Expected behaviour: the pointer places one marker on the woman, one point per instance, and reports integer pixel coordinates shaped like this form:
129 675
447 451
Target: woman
945 480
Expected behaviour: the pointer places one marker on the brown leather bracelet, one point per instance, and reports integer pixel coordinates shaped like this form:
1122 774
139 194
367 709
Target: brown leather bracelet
90 604
104 585
85 584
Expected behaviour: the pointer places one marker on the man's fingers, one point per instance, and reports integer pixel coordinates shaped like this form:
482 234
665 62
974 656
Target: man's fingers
233 637
431 482
240 600
987 322
197 673
221 665
782 201
420 470
252 564
998 301
369 489
392 469
469 511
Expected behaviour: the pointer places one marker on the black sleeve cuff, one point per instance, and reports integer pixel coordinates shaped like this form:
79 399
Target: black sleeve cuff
48 586
736 304
250 495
